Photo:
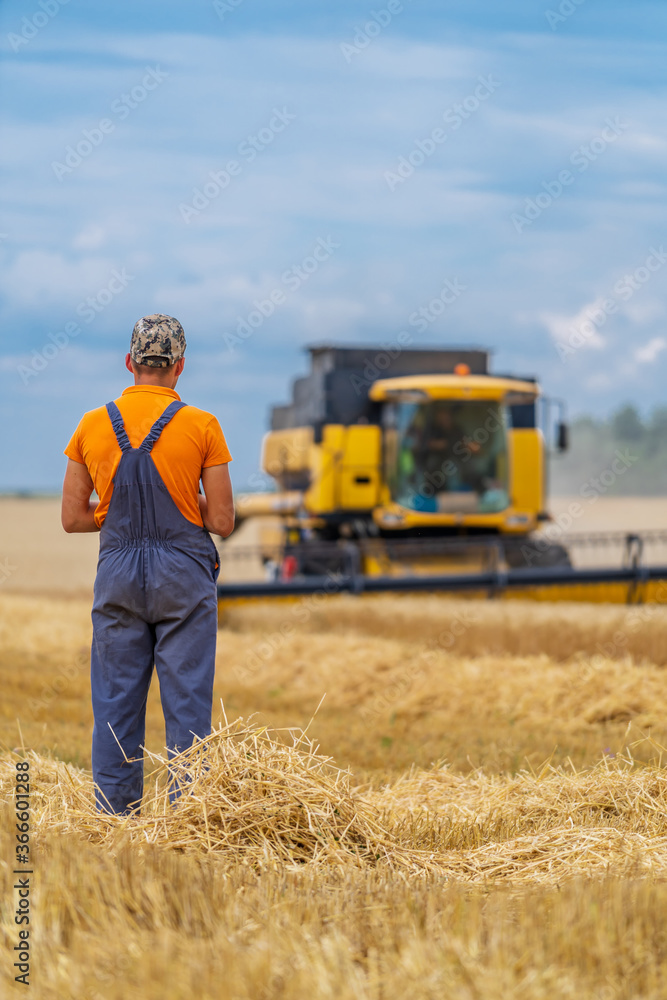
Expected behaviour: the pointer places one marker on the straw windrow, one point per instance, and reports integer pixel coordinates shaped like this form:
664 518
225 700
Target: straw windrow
247 793
262 797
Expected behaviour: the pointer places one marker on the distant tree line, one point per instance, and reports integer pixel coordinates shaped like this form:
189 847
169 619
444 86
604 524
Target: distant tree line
595 445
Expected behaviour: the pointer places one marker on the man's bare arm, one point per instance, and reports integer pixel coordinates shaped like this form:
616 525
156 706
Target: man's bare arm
78 510
217 507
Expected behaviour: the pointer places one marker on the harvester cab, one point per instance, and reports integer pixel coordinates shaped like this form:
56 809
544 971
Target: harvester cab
386 456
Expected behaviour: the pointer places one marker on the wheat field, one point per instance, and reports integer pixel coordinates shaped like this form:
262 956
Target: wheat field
476 810
410 796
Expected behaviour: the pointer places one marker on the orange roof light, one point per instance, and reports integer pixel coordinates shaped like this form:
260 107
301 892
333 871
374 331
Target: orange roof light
462 369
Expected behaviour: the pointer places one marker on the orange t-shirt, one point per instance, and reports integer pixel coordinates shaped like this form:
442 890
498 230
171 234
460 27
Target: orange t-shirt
191 441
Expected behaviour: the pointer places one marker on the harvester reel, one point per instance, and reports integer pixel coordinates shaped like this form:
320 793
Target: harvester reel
536 553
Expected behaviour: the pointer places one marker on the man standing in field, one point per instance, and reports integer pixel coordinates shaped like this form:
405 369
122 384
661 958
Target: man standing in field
155 597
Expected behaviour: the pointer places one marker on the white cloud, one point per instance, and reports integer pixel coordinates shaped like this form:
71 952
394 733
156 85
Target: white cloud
650 351
642 312
598 382
39 278
399 61
580 330
89 238
330 317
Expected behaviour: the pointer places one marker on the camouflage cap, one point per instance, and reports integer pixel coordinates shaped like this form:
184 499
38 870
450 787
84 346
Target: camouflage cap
157 341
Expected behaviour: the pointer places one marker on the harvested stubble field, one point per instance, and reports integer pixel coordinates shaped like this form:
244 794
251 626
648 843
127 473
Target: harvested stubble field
477 809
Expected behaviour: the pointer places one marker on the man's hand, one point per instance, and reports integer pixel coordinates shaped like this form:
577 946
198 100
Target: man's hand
217 507
78 511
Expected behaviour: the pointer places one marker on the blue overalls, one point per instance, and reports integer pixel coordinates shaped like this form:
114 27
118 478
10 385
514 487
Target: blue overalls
155 603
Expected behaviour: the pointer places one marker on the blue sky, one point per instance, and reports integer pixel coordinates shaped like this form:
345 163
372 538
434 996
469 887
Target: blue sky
316 105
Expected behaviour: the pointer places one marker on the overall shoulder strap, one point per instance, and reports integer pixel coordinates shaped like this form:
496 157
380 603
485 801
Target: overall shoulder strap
160 424
118 426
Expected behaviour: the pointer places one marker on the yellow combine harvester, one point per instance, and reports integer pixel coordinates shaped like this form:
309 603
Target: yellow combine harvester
415 469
